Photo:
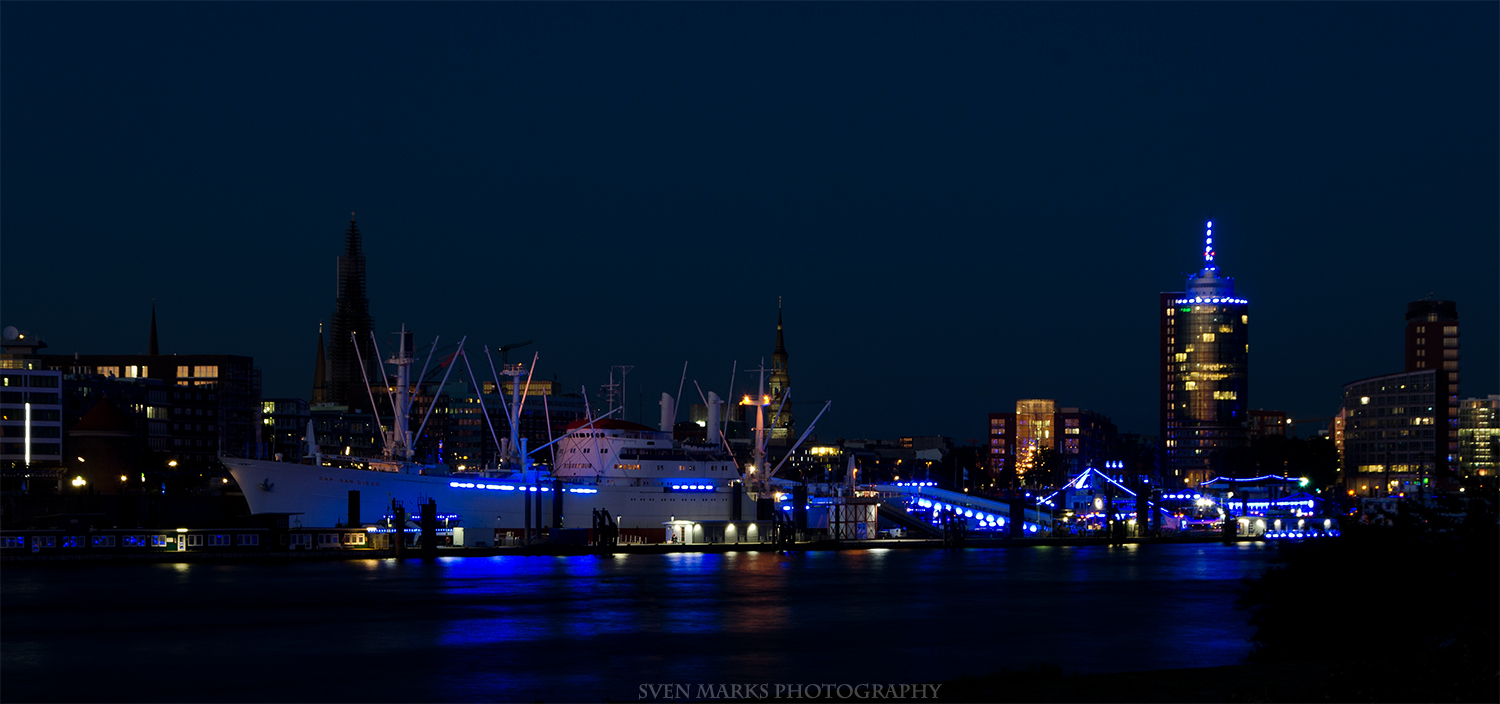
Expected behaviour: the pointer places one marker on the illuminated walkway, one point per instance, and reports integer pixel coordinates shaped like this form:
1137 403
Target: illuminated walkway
923 499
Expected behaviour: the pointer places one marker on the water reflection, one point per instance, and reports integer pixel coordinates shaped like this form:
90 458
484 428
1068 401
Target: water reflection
513 628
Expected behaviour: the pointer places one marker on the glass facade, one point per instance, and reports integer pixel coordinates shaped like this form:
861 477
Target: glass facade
1208 395
1479 436
1390 422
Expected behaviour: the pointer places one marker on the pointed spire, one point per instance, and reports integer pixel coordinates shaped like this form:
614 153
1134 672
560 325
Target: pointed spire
352 243
780 338
152 348
320 372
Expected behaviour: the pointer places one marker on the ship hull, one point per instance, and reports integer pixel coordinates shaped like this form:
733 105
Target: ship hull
318 496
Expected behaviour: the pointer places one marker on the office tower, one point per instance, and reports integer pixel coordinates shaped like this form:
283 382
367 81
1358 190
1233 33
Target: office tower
1389 430
1205 372
1479 436
1432 343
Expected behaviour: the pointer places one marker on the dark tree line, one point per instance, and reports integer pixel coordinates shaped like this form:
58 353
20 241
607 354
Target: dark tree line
1315 458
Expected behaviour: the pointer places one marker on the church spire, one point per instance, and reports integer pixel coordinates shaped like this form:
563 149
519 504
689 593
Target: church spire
780 338
353 244
779 384
151 347
349 327
320 373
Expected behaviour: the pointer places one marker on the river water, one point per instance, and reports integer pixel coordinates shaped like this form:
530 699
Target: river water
591 629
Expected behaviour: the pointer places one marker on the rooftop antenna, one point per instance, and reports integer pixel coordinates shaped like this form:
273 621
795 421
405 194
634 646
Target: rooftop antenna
1208 246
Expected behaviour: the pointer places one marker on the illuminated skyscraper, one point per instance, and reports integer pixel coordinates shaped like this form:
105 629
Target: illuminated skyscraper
1205 371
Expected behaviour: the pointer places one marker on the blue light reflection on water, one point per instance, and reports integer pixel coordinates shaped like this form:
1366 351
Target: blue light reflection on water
587 628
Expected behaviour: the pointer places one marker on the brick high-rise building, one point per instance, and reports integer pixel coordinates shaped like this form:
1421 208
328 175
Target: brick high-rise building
1432 343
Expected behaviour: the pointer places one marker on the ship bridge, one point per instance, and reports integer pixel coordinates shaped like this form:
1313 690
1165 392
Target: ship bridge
924 501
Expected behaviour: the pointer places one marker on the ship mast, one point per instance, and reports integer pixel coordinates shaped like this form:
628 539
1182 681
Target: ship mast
401 430
760 482
514 371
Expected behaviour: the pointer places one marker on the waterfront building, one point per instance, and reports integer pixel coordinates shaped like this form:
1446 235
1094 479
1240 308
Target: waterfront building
1017 439
1205 372
1034 426
1432 342
1087 439
30 406
350 328
200 404
1479 436
1390 438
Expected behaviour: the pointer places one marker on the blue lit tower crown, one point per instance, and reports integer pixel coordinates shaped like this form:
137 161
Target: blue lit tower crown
1205 366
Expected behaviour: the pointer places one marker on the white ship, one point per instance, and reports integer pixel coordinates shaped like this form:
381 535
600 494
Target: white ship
640 476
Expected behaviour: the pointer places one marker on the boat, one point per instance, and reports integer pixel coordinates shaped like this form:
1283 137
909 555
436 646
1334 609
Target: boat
643 479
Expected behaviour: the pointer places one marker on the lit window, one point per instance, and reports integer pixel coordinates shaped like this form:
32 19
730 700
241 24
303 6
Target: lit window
1208 337
1244 320
108 371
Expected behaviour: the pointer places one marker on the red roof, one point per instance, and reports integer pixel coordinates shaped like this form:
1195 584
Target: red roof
610 424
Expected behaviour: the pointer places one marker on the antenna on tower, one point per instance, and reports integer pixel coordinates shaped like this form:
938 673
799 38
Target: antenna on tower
1208 246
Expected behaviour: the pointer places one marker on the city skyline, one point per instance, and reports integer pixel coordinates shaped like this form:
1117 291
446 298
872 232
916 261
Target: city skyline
946 229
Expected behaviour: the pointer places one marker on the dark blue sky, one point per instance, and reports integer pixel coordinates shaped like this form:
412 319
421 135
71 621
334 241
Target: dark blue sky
962 204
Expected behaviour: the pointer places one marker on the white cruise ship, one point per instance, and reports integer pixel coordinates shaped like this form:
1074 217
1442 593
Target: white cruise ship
639 475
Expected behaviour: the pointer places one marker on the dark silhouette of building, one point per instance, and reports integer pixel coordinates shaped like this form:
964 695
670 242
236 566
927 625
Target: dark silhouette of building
1432 343
350 327
1205 372
1264 423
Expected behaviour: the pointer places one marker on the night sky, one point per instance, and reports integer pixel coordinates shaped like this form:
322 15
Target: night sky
960 204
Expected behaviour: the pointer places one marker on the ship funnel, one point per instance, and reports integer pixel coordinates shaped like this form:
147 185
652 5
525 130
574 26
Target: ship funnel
668 412
713 418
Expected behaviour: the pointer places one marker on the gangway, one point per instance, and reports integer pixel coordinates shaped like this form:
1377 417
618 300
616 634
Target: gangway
917 492
899 516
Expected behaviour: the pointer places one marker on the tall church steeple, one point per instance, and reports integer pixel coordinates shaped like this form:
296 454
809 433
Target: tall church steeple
320 373
780 378
779 384
350 323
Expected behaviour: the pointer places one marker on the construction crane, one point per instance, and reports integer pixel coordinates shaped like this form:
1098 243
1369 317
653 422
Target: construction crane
504 350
